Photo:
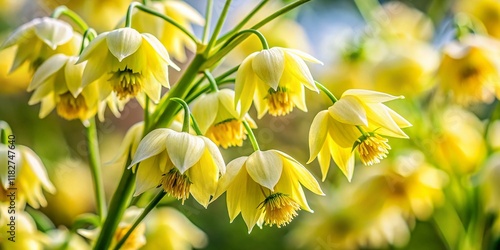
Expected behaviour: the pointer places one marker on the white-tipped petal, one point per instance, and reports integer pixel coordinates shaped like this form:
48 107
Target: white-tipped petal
53 32
47 69
123 42
265 168
269 65
151 145
184 149
349 110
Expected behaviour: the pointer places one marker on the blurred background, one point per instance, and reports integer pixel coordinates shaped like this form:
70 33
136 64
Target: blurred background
435 190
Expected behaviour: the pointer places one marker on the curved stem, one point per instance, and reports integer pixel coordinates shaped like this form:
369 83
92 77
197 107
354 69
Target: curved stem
95 168
187 113
141 7
262 39
243 22
211 80
251 135
141 217
218 27
195 126
5 131
208 18
327 92
89 35
63 10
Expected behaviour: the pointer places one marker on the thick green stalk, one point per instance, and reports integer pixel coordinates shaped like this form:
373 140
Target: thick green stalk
141 217
119 202
161 118
95 168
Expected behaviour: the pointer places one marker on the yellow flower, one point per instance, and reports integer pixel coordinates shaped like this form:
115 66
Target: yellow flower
169 229
469 70
179 162
26 235
30 176
486 12
57 84
13 82
41 38
275 78
175 41
219 120
130 61
266 188
356 121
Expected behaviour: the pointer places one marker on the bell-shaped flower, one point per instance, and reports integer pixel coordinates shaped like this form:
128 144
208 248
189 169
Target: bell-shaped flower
179 162
266 187
131 63
174 40
169 229
41 38
469 70
219 120
57 84
275 79
23 235
358 120
29 177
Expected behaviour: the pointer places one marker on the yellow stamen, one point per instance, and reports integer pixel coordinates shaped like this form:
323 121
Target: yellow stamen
228 133
372 149
135 240
279 209
126 83
70 107
176 184
279 101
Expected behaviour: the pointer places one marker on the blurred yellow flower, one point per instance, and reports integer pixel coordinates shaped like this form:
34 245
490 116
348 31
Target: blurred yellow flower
218 119
179 162
175 41
469 70
30 176
168 229
41 38
26 235
131 62
266 188
458 145
62 237
356 121
486 13
490 190
128 145
275 79
13 82
57 84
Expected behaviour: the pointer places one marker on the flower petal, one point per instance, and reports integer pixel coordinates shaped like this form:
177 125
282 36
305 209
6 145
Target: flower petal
269 65
123 42
265 168
151 145
381 120
21 34
349 110
303 55
96 44
344 158
324 159
317 134
47 69
250 201
232 170
370 95
160 49
226 98
203 175
296 67
53 32
216 155
31 160
244 86
48 104
148 174
300 173
73 74
184 149
205 110
343 134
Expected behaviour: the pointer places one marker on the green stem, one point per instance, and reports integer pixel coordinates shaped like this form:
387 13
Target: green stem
146 112
223 52
262 39
227 73
195 125
141 217
208 18
211 80
5 131
63 10
187 113
327 92
119 202
243 22
139 6
160 117
89 35
145 2
95 168
251 135
218 27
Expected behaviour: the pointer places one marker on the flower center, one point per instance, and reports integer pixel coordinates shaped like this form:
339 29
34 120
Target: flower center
126 83
372 149
135 240
70 107
279 102
176 184
279 209
228 133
